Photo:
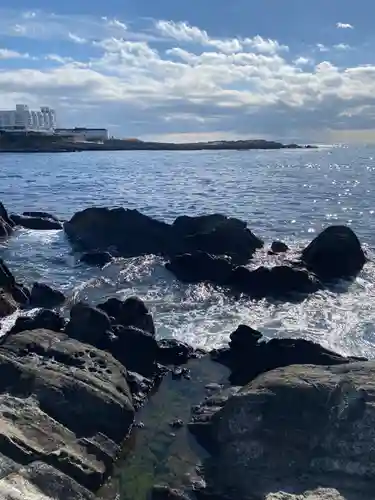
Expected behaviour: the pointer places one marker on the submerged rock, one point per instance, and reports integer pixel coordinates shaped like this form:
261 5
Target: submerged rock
62 403
247 357
334 254
38 223
43 295
305 430
166 493
99 259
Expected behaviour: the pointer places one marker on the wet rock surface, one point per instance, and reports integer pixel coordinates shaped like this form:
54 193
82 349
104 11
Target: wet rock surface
133 234
38 223
265 446
99 259
43 295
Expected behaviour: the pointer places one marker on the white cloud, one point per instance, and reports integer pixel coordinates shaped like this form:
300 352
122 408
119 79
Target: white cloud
302 61
12 54
116 23
76 39
344 26
194 81
183 32
342 46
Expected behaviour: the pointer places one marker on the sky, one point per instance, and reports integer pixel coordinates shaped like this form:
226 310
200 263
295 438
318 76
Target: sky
187 70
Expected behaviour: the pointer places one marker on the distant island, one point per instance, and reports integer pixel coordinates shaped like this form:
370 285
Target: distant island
22 142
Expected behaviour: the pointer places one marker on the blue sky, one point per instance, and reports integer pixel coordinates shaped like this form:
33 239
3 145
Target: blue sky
195 69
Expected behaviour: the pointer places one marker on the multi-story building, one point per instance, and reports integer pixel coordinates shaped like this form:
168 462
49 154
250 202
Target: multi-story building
22 118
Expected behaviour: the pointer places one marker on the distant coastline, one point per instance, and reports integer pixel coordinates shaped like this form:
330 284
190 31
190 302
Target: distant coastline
37 143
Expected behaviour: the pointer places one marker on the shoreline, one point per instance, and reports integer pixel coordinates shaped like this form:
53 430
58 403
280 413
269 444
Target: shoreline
50 144
100 401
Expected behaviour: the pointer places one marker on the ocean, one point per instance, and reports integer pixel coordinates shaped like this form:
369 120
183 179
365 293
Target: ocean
287 194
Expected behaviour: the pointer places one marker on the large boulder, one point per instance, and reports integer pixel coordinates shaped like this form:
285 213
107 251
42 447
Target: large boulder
334 254
7 280
136 349
227 236
39 223
200 266
89 324
6 224
129 232
249 355
278 282
62 403
129 312
300 432
43 295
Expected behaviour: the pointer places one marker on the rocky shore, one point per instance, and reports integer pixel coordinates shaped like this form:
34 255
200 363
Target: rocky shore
292 421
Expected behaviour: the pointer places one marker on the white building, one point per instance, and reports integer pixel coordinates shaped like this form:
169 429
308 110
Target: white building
84 134
22 118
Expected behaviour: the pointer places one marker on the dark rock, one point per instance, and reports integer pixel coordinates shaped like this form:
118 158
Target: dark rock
218 235
297 432
166 493
89 325
99 259
7 304
130 312
128 231
247 357
202 415
63 403
6 277
36 222
278 282
135 349
334 254
140 387
42 319
244 337
43 295
41 215
200 266
133 234
5 217
20 293
173 352
279 247
5 229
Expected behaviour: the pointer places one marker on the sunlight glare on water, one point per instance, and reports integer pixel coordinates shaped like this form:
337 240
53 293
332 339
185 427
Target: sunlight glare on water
288 195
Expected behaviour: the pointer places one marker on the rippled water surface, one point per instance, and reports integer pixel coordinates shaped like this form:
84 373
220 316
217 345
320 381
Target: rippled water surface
289 195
